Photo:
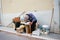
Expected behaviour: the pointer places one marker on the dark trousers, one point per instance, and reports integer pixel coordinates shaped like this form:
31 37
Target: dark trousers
17 24
33 26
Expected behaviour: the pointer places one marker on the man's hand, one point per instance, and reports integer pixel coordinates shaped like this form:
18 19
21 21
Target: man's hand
31 23
28 23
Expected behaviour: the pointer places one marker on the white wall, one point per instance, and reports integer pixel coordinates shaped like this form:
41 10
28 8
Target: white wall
56 16
14 6
0 3
7 18
0 11
59 14
43 17
55 25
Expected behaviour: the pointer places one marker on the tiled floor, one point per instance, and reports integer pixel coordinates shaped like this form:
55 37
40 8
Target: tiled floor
6 36
52 35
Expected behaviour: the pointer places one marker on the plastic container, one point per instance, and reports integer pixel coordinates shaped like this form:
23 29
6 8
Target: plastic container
44 29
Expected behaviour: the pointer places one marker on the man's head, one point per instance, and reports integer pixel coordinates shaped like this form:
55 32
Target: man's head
26 17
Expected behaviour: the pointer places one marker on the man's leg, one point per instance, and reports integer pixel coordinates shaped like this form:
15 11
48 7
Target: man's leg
17 24
20 29
33 26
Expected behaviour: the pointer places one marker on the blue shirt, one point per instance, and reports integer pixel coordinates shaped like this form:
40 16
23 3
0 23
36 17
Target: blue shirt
32 18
